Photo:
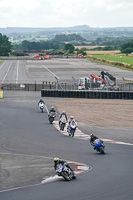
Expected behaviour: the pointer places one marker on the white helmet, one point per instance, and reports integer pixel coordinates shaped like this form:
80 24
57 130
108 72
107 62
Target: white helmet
71 117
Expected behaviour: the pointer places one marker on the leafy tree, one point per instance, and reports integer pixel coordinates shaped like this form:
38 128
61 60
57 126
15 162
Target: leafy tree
68 38
70 48
128 47
38 46
5 45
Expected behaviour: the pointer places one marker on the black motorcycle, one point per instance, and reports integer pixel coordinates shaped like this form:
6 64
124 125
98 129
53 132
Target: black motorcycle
51 116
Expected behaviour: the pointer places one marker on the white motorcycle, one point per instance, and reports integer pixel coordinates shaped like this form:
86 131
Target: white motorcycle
41 107
71 129
62 123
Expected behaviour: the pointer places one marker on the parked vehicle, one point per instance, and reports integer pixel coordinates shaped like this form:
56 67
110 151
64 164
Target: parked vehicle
84 83
99 146
65 172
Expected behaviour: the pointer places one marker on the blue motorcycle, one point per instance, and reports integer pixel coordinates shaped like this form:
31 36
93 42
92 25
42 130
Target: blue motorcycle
71 129
65 172
99 146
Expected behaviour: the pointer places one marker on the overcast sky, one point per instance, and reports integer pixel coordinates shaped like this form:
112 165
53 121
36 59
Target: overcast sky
66 13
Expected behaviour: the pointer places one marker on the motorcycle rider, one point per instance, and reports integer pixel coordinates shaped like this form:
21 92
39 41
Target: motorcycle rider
41 101
71 121
58 161
62 115
93 138
52 109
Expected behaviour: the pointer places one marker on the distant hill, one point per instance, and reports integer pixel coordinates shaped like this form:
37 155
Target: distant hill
17 34
9 30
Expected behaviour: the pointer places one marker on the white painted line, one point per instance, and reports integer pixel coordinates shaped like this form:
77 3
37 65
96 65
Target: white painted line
3 64
46 109
51 179
17 72
50 72
7 72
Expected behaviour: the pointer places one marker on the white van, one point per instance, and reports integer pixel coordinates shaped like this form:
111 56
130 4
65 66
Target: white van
84 83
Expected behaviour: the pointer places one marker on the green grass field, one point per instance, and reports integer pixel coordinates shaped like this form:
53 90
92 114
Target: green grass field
116 58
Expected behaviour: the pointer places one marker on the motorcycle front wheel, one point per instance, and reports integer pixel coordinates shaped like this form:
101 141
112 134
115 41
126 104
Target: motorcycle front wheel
65 176
72 132
51 120
62 126
102 151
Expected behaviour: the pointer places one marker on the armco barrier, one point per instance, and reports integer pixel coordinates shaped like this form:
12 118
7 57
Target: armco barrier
87 94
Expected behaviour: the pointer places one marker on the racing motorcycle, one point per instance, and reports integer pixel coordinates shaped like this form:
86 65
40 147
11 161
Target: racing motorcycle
99 146
51 117
71 129
41 107
65 172
62 123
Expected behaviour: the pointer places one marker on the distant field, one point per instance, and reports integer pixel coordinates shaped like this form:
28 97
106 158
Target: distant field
116 58
103 52
87 47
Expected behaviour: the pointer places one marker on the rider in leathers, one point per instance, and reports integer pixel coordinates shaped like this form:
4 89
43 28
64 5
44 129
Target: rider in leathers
41 101
93 138
63 114
52 109
58 161
71 120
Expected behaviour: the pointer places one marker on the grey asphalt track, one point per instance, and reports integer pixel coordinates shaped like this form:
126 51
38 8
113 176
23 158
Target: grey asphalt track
22 71
26 131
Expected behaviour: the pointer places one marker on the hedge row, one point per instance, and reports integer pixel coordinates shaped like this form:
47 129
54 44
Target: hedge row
87 94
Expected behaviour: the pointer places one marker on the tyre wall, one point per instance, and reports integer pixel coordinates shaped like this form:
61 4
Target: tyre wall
87 94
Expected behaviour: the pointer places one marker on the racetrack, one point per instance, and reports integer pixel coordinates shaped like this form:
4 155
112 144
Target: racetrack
26 132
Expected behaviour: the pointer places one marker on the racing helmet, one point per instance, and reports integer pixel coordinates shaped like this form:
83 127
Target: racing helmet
52 108
64 112
56 160
71 117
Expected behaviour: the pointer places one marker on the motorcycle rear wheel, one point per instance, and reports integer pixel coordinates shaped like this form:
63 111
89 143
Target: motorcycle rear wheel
74 175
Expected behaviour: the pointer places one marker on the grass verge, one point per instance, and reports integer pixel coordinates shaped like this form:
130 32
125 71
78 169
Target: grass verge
120 65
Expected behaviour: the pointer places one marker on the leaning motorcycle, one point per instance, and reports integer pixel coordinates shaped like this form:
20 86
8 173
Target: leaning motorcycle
51 117
71 129
41 107
65 172
99 146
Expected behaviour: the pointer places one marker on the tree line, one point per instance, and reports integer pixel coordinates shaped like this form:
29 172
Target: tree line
6 47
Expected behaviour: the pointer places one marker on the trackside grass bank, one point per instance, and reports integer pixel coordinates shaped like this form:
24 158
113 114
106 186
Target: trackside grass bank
116 58
125 62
